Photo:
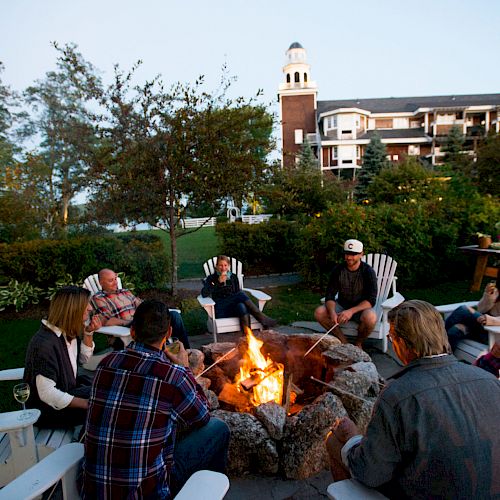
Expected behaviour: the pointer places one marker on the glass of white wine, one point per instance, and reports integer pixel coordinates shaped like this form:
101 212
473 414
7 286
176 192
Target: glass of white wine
22 393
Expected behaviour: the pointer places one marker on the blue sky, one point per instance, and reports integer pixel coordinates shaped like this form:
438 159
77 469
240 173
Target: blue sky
356 49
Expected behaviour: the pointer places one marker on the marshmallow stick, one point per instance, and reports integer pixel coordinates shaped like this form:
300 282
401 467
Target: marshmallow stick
341 391
316 343
213 364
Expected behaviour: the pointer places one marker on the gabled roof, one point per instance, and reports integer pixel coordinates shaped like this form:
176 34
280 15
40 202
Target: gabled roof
410 104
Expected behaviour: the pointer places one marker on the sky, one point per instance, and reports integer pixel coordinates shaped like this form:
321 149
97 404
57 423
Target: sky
357 49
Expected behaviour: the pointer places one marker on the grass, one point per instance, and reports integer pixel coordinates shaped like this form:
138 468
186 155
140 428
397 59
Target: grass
192 250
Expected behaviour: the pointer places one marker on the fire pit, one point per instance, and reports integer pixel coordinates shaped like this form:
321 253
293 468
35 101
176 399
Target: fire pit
279 404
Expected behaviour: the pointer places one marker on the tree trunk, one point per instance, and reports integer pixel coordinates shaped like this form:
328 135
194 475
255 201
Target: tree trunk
173 245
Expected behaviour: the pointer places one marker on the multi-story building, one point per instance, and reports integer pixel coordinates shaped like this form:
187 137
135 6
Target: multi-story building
339 130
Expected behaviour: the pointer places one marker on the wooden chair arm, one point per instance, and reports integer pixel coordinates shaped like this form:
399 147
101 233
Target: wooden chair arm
61 464
260 296
12 374
214 486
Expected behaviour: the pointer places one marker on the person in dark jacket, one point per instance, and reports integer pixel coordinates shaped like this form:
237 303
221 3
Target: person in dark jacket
224 288
434 428
356 285
52 357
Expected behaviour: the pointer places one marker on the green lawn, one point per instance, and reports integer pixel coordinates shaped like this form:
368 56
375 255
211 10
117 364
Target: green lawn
192 250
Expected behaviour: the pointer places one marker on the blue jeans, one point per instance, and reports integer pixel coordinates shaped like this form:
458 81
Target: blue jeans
463 316
234 305
201 449
178 328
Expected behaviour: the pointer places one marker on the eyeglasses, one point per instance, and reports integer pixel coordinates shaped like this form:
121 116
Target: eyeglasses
390 338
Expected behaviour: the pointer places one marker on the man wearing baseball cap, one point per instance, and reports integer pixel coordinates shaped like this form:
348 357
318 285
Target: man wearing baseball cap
355 283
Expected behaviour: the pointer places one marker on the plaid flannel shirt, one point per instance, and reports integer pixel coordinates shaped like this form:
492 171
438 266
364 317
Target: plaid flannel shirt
119 304
138 399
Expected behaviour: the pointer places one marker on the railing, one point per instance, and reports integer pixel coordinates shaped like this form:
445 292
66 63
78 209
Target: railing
255 219
198 222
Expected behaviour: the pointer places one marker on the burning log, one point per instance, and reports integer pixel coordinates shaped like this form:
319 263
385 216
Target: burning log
257 375
231 396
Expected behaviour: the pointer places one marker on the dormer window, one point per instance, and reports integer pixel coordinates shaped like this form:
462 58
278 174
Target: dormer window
331 122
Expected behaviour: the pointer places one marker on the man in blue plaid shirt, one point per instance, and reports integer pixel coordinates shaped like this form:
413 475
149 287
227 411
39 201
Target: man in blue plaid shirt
141 398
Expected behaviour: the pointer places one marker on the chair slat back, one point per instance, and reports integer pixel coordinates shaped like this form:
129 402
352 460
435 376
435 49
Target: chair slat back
92 283
236 268
385 269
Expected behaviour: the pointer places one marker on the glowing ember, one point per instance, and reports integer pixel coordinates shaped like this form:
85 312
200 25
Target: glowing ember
265 376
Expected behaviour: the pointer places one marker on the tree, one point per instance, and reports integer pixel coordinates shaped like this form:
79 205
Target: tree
374 160
59 117
161 151
487 166
306 158
406 182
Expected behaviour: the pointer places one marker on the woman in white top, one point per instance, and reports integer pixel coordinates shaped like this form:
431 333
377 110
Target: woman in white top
52 356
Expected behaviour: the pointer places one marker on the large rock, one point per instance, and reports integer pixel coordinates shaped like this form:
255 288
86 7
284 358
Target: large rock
345 354
273 417
250 447
303 453
196 361
213 400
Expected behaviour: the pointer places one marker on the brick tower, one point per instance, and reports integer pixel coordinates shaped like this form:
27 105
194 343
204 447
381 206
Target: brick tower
297 97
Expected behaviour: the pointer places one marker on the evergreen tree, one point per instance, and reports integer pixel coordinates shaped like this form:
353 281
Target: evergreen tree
374 160
454 145
306 158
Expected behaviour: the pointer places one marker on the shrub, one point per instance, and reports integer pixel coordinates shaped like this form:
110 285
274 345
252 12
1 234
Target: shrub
45 262
18 295
269 247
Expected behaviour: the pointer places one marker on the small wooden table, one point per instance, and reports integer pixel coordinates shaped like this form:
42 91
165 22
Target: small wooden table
482 268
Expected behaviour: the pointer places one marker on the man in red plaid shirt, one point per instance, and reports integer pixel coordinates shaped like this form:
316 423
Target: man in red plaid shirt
141 398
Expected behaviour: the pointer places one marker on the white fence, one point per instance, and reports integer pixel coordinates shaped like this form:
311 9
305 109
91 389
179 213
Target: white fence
255 219
193 223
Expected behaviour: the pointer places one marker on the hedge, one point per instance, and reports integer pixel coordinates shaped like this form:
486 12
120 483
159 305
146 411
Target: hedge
269 247
141 256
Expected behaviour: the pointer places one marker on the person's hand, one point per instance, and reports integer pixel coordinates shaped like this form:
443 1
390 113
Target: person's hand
482 319
181 358
332 314
344 316
495 350
344 429
95 324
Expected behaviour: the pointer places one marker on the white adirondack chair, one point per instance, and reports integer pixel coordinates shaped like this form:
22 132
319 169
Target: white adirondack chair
92 284
22 443
63 465
351 489
385 269
224 325
467 349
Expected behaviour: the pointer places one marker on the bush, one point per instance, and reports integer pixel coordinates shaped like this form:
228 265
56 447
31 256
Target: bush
42 263
269 247
423 238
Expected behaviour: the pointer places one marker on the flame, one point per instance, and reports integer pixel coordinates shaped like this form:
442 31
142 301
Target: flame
256 366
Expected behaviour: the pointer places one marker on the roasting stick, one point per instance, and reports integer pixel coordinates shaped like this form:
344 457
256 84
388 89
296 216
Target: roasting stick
346 393
218 361
316 343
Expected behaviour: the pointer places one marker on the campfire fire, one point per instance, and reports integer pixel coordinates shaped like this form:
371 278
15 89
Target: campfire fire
259 374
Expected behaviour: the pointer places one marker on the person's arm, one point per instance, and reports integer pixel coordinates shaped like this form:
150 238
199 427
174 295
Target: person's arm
373 459
209 285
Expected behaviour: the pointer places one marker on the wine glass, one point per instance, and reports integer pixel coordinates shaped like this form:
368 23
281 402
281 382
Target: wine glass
22 393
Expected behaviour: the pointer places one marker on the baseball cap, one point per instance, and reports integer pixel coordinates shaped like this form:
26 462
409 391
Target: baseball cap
353 247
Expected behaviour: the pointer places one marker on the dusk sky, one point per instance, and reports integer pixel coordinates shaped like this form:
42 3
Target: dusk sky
356 49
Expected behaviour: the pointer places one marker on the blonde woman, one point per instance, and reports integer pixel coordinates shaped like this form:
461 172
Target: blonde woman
63 339
224 288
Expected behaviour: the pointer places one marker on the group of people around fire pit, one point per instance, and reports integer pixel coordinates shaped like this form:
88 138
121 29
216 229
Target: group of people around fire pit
147 422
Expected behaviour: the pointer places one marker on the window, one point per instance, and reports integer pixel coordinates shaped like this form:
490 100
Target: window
346 161
305 77
357 122
299 136
347 131
288 78
297 77
358 152
335 152
331 122
395 157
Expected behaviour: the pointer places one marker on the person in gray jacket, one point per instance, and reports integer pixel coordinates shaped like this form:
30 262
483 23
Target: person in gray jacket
434 428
